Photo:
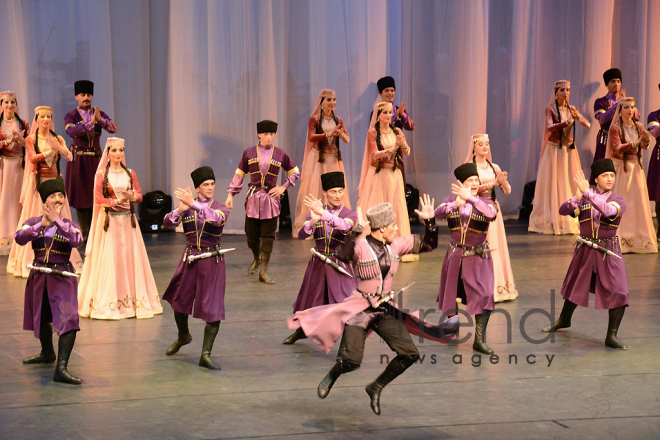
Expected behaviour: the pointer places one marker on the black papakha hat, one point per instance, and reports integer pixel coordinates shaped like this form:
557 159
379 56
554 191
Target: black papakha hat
602 166
201 175
385 82
266 126
610 74
83 86
331 180
49 187
465 171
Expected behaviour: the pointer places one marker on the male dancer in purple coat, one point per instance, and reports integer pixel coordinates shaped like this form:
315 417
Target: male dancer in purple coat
400 118
604 109
467 271
201 281
592 268
330 226
50 295
84 124
262 206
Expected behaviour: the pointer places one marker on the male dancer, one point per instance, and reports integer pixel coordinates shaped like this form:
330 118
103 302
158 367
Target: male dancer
200 281
84 124
604 109
51 293
467 272
400 118
262 206
376 259
330 225
597 265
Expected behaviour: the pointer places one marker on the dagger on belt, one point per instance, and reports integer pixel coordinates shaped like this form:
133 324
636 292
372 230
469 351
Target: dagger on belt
593 245
205 255
330 263
392 294
50 270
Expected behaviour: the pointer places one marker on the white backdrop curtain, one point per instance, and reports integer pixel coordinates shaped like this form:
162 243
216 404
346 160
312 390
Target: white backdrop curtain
187 80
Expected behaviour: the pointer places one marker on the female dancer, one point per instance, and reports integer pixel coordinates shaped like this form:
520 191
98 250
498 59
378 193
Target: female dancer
116 282
625 142
12 163
559 163
43 150
491 176
322 154
381 179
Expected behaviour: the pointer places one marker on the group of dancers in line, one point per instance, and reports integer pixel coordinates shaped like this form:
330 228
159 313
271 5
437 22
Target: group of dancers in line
347 287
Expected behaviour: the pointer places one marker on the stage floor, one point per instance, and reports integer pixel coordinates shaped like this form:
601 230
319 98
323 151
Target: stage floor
572 388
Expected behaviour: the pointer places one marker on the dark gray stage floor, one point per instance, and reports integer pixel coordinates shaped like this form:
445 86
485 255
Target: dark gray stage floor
265 389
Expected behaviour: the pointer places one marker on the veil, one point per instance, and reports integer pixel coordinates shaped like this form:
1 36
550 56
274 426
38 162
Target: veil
366 160
100 170
615 120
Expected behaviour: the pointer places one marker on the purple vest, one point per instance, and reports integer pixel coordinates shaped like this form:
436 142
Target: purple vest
278 159
50 251
327 243
201 233
475 232
596 226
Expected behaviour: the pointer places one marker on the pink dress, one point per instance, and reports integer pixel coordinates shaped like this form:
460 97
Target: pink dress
312 169
116 281
554 181
505 286
11 176
636 232
46 166
387 185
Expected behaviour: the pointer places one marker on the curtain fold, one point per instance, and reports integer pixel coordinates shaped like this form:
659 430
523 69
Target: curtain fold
187 80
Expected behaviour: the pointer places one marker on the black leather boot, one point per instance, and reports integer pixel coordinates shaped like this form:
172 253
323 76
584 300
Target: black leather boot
298 334
47 355
184 338
616 315
210 332
564 320
340 367
396 366
64 348
480 333
263 271
254 267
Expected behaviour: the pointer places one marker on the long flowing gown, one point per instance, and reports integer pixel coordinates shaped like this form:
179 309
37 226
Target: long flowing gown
312 169
554 182
505 286
117 281
386 185
11 177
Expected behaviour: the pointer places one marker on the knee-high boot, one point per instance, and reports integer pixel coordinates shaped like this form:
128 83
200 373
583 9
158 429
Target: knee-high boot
64 348
47 354
564 320
616 315
210 332
298 334
395 368
254 247
184 338
263 271
480 333
340 367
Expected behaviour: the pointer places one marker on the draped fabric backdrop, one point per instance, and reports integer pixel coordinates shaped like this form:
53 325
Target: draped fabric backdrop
187 80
